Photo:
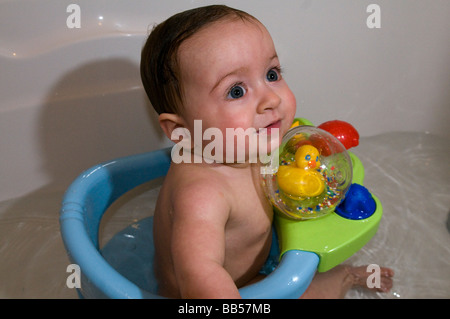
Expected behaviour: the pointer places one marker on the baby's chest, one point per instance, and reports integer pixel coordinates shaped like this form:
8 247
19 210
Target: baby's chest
252 228
253 214
247 199
251 208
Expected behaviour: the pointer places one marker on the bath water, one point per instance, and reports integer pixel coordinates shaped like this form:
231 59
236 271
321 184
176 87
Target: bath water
410 175
408 172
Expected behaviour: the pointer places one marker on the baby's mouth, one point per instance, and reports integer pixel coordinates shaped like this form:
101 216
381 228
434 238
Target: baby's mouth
273 126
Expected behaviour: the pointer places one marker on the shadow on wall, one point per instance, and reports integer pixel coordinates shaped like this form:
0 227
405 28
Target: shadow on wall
96 113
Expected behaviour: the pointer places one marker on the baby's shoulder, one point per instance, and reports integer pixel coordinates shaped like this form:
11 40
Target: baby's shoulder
194 176
194 186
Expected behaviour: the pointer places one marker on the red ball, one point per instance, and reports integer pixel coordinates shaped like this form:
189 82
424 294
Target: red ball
343 131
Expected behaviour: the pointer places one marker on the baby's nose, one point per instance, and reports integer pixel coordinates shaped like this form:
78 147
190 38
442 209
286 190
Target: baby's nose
269 99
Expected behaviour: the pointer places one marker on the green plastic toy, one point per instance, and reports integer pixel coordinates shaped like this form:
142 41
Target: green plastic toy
329 235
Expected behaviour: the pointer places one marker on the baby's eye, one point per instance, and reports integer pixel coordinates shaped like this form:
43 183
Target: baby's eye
272 75
236 92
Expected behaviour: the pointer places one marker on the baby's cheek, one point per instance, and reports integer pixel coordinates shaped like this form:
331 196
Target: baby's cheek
292 104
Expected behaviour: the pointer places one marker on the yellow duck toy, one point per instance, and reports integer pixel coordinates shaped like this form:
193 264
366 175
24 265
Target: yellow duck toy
301 179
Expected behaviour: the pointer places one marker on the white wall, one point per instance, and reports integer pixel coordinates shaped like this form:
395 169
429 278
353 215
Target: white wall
393 78
70 98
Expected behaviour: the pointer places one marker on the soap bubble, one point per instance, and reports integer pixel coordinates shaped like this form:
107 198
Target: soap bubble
311 175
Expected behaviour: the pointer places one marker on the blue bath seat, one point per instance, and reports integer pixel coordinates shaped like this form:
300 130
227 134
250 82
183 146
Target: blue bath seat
97 188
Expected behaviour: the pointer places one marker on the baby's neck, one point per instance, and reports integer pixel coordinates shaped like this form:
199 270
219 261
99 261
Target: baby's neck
199 159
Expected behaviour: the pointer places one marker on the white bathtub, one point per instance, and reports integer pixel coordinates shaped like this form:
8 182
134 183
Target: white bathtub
72 97
69 97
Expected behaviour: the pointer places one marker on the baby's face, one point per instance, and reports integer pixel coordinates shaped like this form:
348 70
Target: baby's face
231 78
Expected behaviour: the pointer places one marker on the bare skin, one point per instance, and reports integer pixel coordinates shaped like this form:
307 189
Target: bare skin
212 242
212 223
336 282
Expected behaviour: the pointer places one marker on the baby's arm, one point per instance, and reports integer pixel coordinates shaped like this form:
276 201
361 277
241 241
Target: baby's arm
200 214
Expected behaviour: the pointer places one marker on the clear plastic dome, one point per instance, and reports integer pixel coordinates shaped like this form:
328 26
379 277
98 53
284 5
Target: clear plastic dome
309 175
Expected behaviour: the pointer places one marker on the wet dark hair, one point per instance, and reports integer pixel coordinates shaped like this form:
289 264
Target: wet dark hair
160 71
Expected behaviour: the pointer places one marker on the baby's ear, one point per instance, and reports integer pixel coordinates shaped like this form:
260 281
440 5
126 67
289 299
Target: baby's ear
172 125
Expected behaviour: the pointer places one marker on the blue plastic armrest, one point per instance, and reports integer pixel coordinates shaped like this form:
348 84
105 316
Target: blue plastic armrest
290 279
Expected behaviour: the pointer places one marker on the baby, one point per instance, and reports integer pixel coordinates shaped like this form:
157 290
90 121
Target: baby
212 222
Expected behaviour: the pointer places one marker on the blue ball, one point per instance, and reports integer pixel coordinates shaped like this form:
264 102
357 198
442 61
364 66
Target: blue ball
358 203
